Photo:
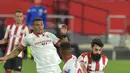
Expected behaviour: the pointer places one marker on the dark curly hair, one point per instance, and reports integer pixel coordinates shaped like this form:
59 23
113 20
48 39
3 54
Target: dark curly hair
97 41
65 46
37 19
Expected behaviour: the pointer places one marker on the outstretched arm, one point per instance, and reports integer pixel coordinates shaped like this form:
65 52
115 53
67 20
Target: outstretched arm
12 54
3 41
63 32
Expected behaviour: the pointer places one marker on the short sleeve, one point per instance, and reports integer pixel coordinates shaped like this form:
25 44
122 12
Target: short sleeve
27 30
7 32
24 41
80 58
106 62
55 40
83 59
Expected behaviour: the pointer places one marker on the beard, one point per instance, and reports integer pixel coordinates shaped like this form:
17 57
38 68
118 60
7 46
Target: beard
96 57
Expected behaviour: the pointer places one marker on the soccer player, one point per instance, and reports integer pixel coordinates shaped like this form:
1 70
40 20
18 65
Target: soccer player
13 36
94 61
42 48
71 63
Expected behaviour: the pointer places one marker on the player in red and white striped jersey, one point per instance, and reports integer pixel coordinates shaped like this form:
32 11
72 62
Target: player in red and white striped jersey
13 36
71 62
94 61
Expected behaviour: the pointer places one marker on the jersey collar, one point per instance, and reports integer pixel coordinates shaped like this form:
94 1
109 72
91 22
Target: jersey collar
68 58
36 34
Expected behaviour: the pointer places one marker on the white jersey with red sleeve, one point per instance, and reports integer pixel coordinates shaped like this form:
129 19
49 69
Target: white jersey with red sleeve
72 65
43 50
14 35
92 66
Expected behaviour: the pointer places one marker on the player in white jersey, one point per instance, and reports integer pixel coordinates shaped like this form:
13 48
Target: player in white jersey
42 48
94 61
13 36
71 63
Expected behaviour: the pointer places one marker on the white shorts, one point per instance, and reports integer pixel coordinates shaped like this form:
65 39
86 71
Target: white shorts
54 69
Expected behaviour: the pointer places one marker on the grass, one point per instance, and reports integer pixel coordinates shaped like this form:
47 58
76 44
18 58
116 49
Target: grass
117 66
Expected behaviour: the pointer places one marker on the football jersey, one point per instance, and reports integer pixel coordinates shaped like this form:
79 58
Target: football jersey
72 65
14 34
92 66
42 48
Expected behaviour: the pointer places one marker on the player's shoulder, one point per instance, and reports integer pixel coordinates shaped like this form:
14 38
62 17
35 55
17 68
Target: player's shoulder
104 56
24 26
73 56
48 33
85 54
29 35
10 25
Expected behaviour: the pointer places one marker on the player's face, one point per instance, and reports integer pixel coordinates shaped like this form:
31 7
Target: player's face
61 52
97 49
96 52
38 27
37 2
19 17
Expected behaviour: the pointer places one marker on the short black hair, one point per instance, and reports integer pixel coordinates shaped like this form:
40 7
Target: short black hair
97 41
65 46
18 11
37 19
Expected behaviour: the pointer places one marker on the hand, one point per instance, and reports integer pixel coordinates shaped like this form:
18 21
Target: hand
82 64
63 30
3 59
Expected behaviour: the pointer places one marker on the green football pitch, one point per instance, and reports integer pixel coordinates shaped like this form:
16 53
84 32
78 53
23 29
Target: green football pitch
118 66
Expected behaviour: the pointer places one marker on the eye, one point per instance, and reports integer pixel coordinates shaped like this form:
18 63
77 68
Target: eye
97 49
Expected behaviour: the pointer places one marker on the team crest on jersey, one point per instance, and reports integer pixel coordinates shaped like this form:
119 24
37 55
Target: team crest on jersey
47 36
34 39
40 12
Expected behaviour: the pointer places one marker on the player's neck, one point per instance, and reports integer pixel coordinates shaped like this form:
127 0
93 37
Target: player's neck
68 56
17 24
38 33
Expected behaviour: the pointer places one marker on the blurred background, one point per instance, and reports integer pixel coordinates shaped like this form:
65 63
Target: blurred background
108 20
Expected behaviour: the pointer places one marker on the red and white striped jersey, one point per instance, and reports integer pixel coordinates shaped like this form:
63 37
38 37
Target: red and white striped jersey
91 65
14 35
72 65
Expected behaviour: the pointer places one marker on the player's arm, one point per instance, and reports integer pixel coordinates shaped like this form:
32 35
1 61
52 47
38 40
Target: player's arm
63 32
12 54
28 16
105 64
82 64
3 41
83 61
63 37
44 17
6 36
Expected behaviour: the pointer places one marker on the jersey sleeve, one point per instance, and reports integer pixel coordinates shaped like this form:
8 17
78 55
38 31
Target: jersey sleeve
6 36
55 40
106 62
24 41
83 58
27 31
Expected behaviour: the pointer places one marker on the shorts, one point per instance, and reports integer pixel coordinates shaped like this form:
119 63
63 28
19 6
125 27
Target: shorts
53 69
14 64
